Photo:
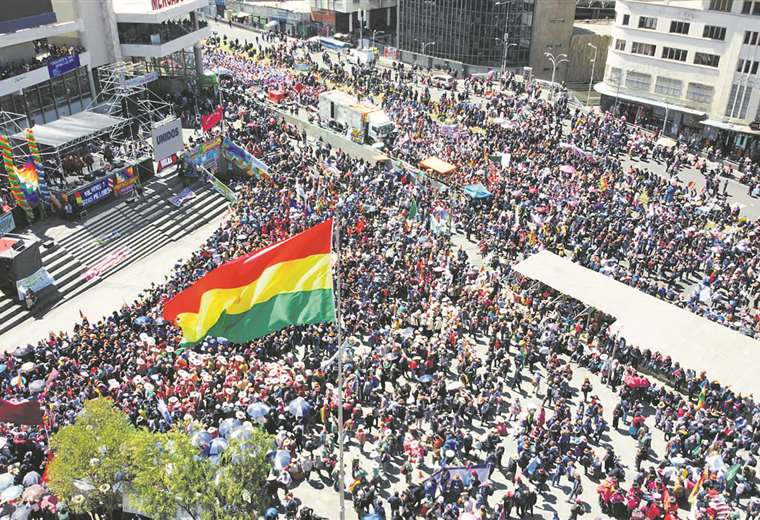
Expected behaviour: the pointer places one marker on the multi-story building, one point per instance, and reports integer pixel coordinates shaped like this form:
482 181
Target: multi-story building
357 17
472 32
44 68
473 35
687 67
49 49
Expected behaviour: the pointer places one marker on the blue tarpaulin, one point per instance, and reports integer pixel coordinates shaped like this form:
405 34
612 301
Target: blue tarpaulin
477 191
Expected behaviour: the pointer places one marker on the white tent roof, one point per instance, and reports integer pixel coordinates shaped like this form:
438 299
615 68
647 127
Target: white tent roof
71 128
648 322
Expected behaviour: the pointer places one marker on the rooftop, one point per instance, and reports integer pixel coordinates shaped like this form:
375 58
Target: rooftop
294 6
598 27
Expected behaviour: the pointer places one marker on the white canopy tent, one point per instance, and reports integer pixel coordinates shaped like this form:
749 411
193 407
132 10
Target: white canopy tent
648 322
72 129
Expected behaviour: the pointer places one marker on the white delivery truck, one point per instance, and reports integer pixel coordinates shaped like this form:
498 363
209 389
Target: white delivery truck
361 122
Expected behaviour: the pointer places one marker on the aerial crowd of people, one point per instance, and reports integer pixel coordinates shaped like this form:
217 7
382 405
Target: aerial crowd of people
469 391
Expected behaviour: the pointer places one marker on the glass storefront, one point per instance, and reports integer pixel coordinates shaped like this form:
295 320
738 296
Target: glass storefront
467 30
53 99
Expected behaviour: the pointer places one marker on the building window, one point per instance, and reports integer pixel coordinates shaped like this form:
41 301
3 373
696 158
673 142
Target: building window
722 5
752 8
738 101
679 27
714 32
647 22
750 37
700 93
626 19
619 45
670 53
616 76
669 87
748 66
638 81
646 49
710 60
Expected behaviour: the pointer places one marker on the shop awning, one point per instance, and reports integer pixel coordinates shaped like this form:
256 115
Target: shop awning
744 129
650 323
437 165
611 91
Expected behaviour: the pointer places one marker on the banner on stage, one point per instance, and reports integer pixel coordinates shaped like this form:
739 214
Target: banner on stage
94 192
124 181
205 155
167 139
34 282
7 223
243 160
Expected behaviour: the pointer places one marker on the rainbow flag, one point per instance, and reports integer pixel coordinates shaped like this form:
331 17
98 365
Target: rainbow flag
30 182
288 283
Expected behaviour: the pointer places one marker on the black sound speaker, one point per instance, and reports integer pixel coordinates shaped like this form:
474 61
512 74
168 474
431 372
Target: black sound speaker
20 260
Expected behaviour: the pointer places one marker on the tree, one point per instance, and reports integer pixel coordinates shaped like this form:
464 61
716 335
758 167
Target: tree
92 458
240 477
171 474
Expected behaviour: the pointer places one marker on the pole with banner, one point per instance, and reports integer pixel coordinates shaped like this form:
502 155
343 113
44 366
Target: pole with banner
13 180
34 150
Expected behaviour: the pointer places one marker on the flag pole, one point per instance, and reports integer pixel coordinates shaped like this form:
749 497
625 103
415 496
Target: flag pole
341 468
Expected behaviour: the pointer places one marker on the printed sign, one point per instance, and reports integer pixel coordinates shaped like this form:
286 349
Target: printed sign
162 4
167 139
205 155
124 181
223 189
34 282
93 193
138 81
180 198
63 65
7 224
243 160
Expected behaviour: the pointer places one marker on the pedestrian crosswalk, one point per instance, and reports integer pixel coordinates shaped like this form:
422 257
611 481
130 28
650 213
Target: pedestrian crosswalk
114 238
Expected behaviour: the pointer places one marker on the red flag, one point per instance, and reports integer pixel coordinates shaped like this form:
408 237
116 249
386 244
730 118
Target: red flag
211 120
21 412
50 457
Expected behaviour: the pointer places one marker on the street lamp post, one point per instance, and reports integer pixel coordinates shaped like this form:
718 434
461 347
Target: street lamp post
507 45
373 38
506 35
591 79
556 61
425 44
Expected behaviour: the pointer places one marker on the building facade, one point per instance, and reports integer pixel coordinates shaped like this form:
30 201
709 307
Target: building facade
687 67
472 32
52 47
356 17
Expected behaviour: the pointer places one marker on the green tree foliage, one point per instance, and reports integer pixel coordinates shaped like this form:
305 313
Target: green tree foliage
170 475
102 455
92 458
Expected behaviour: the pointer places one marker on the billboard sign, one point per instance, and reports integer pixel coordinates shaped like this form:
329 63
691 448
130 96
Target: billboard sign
61 66
167 139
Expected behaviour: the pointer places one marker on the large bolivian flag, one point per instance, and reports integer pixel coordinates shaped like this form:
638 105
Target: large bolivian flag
288 283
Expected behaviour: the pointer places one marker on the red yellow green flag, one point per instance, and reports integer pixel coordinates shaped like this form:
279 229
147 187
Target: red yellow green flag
288 283
702 397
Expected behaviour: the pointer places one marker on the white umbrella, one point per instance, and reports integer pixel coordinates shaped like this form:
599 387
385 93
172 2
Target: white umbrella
6 481
12 493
